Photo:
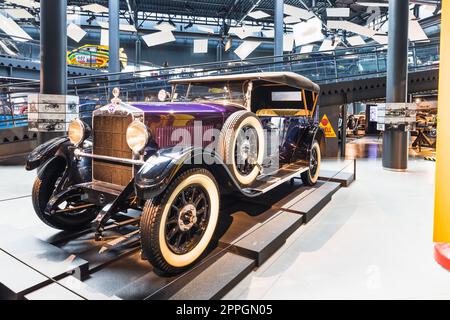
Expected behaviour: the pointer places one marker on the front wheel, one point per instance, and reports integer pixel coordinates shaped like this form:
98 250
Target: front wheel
177 226
311 176
43 188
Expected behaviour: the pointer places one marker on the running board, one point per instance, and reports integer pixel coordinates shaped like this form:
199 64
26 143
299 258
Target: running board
267 182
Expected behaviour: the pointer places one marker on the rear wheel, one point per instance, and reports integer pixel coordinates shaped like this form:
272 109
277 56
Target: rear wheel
177 226
43 189
311 176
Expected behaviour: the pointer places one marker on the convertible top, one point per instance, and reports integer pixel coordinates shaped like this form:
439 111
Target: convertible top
287 78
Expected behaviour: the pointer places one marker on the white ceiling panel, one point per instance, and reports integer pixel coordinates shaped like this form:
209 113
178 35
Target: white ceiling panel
245 31
356 41
373 4
297 12
104 37
11 28
381 39
268 33
258 14
328 45
338 12
157 38
95 8
25 3
7 49
288 42
165 26
307 49
246 48
200 45
308 32
122 27
291 19
352 27
75 32
19 13
416 32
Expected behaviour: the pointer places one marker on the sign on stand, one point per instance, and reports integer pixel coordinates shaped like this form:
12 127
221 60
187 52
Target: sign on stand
396 114
51 112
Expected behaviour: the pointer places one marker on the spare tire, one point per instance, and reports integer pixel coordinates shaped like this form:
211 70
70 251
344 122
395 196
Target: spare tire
241 146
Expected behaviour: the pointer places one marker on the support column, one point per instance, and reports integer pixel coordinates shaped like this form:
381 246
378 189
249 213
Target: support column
53 52
278 26
138 53
219 51
396 140
114 38
344 130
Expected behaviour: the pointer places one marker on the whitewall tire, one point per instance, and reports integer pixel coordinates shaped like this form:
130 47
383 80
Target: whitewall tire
241 146
311 176
178 226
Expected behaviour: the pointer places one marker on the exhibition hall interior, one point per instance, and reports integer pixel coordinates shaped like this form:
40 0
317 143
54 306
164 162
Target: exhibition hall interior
224 149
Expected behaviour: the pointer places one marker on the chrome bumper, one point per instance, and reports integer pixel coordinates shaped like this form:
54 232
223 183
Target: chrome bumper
78 154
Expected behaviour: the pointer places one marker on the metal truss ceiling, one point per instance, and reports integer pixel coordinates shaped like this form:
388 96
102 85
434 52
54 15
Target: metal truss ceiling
238 9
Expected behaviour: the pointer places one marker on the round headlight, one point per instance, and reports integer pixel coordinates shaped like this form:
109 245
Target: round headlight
77 131
137 136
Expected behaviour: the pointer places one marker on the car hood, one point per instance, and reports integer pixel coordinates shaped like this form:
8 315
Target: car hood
184 107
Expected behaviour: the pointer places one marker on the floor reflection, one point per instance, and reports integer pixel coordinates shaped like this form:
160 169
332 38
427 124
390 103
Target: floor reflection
370 147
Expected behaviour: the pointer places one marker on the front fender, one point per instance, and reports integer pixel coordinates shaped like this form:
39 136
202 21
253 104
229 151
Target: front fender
44 152
161 168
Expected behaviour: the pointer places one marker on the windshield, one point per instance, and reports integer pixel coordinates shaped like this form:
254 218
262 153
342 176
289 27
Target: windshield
233 92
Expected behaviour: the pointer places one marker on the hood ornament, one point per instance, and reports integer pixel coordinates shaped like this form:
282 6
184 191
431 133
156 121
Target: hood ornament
115 101
116 94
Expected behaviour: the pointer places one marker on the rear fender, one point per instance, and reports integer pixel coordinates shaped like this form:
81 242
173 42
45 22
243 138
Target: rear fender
312 133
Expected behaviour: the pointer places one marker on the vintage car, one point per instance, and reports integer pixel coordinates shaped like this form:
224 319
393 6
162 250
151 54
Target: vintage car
94 56
235 134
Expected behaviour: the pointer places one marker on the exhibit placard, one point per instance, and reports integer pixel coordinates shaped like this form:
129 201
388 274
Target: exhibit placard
395 114
51 113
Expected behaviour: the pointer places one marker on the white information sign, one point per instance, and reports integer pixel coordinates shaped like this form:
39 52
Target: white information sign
51 113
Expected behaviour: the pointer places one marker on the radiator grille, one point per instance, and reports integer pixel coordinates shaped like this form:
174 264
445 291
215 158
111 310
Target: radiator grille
181 136
110 140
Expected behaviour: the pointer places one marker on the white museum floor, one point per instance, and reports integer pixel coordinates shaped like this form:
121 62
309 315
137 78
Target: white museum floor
373 241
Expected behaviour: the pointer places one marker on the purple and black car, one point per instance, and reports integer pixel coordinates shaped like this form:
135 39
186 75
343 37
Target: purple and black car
172 160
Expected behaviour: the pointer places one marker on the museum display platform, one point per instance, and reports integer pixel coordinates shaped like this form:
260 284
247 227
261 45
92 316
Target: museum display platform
75 266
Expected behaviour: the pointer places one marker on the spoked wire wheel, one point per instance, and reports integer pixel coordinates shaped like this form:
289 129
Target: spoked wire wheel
177 226
187 219
311 176
246 150
241 146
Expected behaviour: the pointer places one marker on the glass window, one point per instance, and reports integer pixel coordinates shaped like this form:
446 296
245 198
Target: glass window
233 92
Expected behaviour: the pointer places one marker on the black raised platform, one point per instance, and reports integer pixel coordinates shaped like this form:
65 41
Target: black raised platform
74 266
344 178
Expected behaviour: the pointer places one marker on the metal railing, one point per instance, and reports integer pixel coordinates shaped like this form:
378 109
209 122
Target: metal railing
321 67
